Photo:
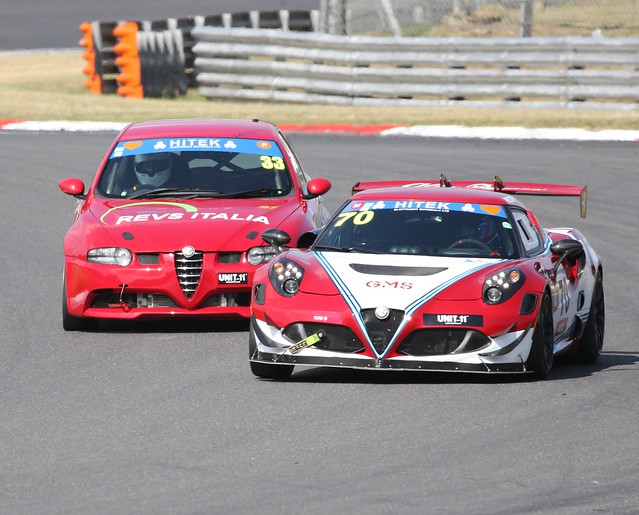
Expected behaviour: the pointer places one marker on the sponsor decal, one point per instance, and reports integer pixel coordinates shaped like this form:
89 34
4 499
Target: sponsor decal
189 213
397 285
415 205
307 342
233 278
448 320
149 146
491 210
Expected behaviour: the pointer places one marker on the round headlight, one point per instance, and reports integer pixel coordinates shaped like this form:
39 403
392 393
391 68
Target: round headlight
493 294
256 255
122 257
291 286
259 255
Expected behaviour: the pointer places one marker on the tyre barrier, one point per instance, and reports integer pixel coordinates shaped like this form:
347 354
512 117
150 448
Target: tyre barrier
154 59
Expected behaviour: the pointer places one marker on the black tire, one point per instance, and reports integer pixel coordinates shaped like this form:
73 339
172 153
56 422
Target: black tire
266 370
73 323
541 356
592 340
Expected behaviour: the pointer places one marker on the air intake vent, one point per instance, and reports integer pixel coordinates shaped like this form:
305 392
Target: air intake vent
381 332
189 271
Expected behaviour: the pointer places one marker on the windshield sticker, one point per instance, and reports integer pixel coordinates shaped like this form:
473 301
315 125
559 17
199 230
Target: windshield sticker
162 211
242 146
358 218
272 162
418 205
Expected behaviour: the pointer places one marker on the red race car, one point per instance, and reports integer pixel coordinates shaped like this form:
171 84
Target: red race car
171 224
431 276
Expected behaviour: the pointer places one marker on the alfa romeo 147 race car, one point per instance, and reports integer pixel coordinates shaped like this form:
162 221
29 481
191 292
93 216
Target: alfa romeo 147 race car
430 276
171 224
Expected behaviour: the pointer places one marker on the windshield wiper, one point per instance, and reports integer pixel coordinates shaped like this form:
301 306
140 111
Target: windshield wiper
345 249
254 192
178 192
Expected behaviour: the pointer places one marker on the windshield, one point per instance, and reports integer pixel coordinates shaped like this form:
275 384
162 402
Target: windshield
420 228
196 167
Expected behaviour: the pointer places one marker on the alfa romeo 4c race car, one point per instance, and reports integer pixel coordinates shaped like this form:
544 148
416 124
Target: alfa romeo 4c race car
430 276
171 224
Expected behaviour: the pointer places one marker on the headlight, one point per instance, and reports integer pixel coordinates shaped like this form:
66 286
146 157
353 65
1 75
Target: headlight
259 255
503 285
110 256
286 276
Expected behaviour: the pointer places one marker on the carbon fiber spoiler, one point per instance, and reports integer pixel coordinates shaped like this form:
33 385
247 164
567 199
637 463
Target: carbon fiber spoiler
513 188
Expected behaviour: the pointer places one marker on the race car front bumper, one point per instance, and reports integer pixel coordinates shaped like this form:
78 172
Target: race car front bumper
506 353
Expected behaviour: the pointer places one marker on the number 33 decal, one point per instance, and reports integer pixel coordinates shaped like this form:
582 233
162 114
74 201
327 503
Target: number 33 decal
272 162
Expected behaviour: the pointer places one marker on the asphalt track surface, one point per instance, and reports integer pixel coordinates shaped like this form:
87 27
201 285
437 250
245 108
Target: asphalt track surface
167 418
37 24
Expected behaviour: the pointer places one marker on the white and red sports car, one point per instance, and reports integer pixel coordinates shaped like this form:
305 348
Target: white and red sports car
430 276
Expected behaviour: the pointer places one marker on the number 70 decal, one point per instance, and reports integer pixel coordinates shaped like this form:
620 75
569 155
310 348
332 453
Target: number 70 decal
359 217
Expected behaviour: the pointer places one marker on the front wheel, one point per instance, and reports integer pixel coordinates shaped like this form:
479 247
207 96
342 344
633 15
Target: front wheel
267 370
541 356
592 339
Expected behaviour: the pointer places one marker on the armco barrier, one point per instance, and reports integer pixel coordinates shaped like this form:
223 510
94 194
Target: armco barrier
155 58
271 65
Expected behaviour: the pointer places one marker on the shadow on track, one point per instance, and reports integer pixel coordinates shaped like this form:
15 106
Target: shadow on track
563 369
181 325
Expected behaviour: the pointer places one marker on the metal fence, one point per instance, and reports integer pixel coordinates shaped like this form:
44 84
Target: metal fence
279 66
481 18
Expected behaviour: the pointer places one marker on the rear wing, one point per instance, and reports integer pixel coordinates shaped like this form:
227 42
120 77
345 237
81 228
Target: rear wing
513 188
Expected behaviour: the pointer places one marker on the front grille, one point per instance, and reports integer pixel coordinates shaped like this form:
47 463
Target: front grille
337 338
189 271
103 299
111 300
227 300
381 332
437 342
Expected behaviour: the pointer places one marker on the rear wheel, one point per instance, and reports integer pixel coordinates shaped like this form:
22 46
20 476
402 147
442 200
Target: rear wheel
266 370
541 356
592 339
73 323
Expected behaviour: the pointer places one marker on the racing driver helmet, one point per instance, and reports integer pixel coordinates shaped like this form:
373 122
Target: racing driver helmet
152 169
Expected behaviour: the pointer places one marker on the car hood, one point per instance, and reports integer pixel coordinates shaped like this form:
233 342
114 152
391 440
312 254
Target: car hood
399 281
166 225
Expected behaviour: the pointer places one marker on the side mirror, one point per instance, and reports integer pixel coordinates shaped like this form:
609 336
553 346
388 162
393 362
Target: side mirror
276 238
73 187
566 249
317 187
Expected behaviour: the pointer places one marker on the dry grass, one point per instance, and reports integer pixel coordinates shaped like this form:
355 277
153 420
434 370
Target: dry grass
50 87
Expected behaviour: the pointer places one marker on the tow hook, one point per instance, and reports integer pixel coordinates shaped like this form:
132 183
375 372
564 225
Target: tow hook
126 307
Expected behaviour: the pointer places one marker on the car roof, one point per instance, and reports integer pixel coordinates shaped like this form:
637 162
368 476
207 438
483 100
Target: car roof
200 128
437 194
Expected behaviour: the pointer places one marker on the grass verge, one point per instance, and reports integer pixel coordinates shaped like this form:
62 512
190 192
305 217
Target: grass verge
49 86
